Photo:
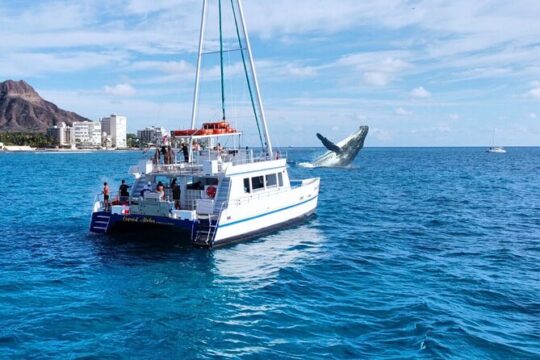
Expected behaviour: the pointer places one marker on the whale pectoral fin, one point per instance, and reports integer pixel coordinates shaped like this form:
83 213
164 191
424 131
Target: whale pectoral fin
329 145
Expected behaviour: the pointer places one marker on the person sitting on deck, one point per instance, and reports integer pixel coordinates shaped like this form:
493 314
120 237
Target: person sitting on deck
124 193
147 187
161 190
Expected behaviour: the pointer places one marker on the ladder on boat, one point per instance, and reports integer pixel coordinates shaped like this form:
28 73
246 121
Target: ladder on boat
207 227
206 232
100 222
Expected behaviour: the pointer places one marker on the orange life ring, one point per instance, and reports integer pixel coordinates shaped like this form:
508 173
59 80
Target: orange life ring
211 191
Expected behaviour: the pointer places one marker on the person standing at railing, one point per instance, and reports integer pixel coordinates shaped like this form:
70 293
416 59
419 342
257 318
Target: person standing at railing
170 154
176 194
106 193
124 193
185 150
155 159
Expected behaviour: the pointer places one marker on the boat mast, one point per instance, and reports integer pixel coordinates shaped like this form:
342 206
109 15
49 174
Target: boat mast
221 62
255 81
246 72
198 71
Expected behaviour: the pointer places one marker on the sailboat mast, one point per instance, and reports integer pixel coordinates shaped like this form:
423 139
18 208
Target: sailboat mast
198 71
221 63
269 150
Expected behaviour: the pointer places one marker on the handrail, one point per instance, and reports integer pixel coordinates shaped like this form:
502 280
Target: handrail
234 156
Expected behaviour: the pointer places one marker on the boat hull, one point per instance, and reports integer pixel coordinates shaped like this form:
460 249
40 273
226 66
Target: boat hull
250 218
255 217
265 231
106 223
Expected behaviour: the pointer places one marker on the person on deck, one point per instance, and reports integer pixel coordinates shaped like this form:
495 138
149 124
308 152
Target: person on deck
161 190
186 152
176 194
170 153
106 193
164 153
155 159
147 187
124 193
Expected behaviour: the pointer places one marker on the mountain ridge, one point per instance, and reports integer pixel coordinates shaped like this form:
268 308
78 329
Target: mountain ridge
22 109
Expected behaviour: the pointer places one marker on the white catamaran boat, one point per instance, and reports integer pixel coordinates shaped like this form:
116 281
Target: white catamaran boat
206 193
495 149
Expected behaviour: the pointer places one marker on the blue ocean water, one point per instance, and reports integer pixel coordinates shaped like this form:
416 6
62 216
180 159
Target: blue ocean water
414 253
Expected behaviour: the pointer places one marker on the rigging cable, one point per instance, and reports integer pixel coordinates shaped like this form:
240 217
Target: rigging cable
246 72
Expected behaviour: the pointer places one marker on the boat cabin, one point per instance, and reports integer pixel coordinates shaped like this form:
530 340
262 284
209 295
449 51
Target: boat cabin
213 176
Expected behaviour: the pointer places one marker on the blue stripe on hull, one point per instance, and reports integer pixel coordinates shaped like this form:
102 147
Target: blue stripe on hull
268 213
265 231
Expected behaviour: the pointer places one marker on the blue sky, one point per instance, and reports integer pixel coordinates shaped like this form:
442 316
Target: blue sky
419 73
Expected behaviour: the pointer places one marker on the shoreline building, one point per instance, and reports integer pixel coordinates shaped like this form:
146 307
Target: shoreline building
62 135
151 135
87 133
115 127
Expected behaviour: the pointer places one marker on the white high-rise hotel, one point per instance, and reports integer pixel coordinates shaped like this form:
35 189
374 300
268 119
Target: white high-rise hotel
115 126
87 133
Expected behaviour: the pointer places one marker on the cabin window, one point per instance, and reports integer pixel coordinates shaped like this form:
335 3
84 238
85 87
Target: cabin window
246 186
271 180
280 178
257 182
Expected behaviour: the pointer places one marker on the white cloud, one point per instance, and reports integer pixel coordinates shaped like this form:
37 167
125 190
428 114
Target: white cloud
376 78
168 67
401 111
120 90
454 116
41 63
375 68
381 134
533 115
534 93
305 71
420 92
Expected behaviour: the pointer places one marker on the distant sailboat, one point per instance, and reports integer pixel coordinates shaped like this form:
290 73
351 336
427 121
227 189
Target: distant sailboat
495 149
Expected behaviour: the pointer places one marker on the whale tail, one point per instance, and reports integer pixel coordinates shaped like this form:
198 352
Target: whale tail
329 145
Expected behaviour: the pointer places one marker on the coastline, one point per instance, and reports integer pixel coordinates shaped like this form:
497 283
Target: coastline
67 151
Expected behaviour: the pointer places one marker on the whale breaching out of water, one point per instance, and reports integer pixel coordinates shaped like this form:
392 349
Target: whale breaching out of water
344 152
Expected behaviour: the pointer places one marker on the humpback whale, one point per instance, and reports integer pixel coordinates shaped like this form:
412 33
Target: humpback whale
344 152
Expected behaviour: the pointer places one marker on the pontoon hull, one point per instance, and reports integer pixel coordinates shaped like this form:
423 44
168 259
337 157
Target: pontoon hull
236 223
